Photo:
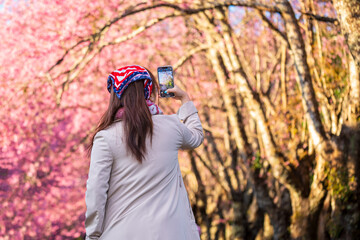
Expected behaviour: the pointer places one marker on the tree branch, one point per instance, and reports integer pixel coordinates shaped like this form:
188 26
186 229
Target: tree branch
321 18
273 27
180 12
193 51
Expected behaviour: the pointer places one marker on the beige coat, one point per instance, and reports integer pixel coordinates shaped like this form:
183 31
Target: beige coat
127 200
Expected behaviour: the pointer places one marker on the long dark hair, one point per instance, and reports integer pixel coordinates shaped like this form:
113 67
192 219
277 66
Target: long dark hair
137 117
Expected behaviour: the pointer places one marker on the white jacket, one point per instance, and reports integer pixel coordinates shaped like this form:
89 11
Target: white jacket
131 201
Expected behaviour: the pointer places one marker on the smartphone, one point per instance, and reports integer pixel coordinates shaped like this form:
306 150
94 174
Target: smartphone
166 80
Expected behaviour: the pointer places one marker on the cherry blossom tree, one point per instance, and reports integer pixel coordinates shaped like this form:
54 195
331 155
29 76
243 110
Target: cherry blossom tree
272 82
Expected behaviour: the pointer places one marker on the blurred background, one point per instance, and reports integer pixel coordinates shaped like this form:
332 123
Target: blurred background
276 84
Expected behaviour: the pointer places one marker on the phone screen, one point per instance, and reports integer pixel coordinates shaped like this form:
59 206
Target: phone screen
166 80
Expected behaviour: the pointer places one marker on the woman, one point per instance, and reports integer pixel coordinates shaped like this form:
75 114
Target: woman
135 189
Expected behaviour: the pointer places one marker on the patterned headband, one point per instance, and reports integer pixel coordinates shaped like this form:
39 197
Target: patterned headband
122 77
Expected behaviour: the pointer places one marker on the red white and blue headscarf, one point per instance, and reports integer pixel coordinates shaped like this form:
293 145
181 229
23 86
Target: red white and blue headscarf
120 79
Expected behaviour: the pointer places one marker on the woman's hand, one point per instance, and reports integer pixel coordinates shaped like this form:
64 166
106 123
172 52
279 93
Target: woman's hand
179 94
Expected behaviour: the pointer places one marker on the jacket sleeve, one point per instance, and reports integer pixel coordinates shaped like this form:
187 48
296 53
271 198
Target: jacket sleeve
97 187
191 128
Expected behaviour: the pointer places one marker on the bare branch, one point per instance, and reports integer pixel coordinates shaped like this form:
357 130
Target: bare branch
322 18
193 51
66 52
180 12
141 29
273 27
250 4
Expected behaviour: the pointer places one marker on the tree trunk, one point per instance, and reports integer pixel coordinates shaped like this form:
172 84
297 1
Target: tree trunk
231 61
349 16
303 222
229 58
201 199
308 209
298 53
283 78
354 94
